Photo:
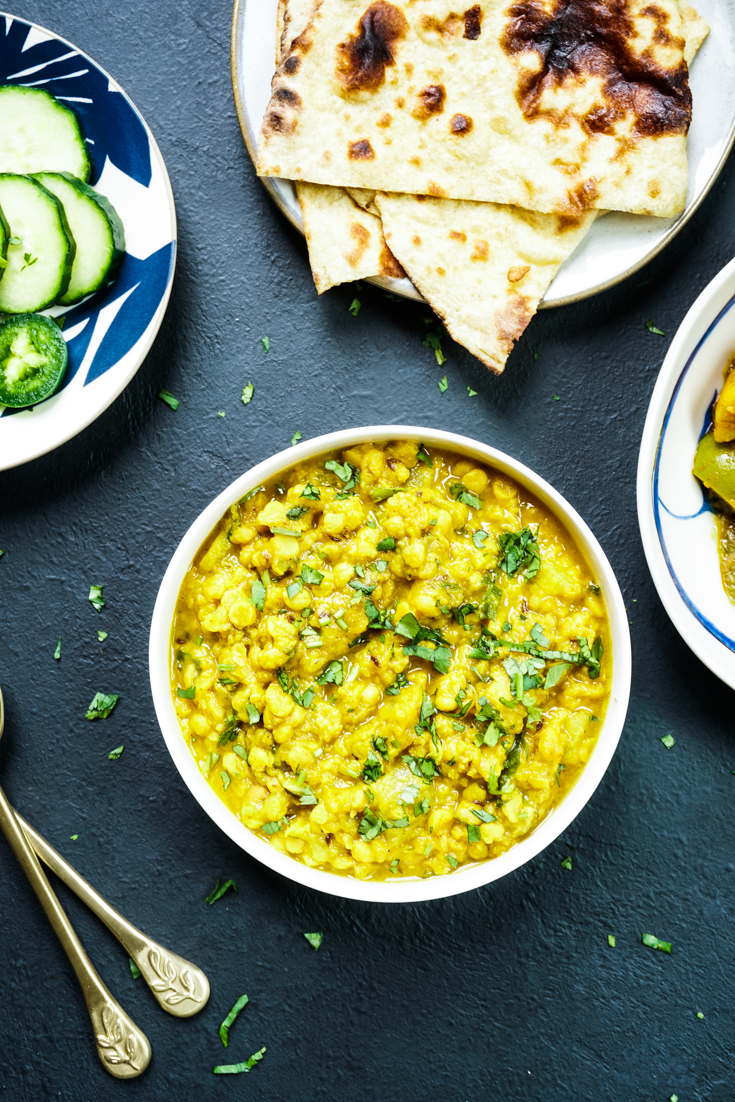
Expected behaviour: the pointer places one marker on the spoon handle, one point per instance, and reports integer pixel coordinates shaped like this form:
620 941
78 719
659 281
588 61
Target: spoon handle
179 986
123 1049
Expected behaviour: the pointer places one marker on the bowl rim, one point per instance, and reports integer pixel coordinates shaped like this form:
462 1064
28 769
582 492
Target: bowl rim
704 315
408 890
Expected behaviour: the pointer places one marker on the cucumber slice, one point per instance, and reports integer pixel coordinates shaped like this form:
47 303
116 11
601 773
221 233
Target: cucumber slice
32 360
40 249
4 238
37 132
97 232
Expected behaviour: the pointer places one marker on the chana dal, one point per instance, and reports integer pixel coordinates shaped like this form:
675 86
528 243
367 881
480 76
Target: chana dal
392 661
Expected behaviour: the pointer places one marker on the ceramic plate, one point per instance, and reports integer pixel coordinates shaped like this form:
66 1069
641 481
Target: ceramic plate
677 527
109 334
618 244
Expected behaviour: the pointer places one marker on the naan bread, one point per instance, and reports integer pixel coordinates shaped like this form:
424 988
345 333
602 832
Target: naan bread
344 236
557 106
484 267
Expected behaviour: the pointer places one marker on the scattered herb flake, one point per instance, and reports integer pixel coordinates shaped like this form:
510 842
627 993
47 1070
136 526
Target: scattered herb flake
520 551
295 438
29 259
186 694
433 339
251 493
453 862
115 754
219 890
310 576
247 394
135 971
700 1015
611 940
652 328
101 706
388 544
566 862
224 1029
235 1069
57 652
73 837
315 940
257 594
266 342
471 393
354 307
655 943
443 384
95 597
668 741
102 635
167 397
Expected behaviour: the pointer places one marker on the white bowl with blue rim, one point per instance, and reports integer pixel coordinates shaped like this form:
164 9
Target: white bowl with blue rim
678 528
109 334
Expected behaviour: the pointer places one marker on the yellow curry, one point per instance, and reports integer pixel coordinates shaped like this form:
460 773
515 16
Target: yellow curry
390 662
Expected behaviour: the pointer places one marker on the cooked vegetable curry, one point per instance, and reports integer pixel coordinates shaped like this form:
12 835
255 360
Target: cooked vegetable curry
390 662
714 466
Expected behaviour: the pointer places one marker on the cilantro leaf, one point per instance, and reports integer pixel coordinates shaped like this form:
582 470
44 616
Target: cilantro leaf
311 493
101 706
655 943
95 597
333 674
230 730
247 394
423 768
224 1029
473 834
400 682
652 328
297 512
219 890
295 438
433 339
442 384
382 493
115 754
167 397
134 970
265 341
315 940
57 652
251 493
566 862
257 594
520 551
555 673
372 769
247 1065
459 492
388 544
471 393
668 741
354 307
186 694
423 456
310 576
592 655
345 472
483 815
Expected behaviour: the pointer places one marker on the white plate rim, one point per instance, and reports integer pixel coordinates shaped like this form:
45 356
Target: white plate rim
408 890
154 324
401 286
709 308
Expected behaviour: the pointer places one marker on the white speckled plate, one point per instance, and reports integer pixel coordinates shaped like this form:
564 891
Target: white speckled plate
108 335
618 244
677 528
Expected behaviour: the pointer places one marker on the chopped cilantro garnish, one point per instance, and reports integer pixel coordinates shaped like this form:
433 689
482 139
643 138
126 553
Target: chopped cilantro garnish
315 940
440 655
333 674
102 635
235 1069
473 834
226 779
134 970
668 741
442 384
453 862
360 586
294 588
247 394
115 754
423 456
382 493
559 769
655 943
273 827
354 307
652 328
57 652
483 816
265 341
251 493
220 889
224 1029
101 706
423 768
459 492
73 837
471 393
611 940
433 339
295 438
310 576
592 655
168 398
479 537
400 682
230 729
520 551
95 597
310 492
372 768
555 673
253 713
257 594
394 866
566 862
297 512
345 472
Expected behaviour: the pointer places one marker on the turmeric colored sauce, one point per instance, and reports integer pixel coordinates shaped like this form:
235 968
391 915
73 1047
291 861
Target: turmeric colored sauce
390 661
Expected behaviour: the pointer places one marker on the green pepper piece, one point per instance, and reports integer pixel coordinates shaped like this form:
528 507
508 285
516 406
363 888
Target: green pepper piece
33 359
714 465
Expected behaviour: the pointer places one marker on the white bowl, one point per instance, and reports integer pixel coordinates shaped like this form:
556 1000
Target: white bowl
408 890
678 531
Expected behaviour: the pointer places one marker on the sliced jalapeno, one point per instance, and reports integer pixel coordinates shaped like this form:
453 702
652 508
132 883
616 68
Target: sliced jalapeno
32 359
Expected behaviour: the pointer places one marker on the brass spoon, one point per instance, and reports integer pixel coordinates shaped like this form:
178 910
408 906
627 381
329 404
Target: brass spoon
123 1049
179 986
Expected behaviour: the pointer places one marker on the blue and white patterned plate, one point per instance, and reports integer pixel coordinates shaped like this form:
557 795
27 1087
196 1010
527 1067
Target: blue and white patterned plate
108 334
677 527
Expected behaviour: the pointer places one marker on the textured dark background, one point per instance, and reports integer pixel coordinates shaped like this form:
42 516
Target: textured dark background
509 992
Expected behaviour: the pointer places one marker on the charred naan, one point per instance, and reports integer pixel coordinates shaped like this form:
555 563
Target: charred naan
484 267
558 106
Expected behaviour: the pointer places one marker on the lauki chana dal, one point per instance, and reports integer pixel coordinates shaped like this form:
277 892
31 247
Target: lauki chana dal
390 662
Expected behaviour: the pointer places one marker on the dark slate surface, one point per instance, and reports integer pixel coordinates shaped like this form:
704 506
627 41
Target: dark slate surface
510 992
